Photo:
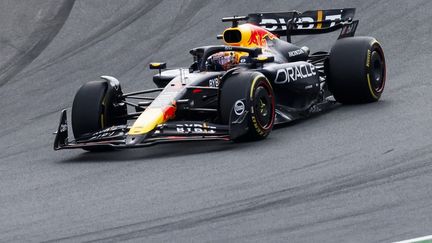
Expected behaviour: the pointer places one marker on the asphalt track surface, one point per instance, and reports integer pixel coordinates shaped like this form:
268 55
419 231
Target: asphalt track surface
358 173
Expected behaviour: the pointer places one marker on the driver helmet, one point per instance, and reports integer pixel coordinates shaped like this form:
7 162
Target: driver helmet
222 61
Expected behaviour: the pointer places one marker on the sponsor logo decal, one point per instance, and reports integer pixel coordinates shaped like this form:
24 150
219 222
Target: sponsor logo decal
239 108
195 128
63 127
290 74
256 126
266 23
295 53
258 36
214 82
304 22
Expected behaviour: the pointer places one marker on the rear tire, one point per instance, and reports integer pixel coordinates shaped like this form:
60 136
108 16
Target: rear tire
356 70
93 109
259 94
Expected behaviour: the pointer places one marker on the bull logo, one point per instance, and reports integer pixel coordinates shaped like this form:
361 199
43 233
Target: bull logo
258 37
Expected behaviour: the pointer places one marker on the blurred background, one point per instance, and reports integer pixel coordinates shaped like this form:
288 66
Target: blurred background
356 174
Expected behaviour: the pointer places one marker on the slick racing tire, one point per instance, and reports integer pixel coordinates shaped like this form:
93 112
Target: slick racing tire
356 70
257 91
95 108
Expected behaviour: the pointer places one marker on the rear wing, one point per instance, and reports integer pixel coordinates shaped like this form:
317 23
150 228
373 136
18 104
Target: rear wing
306 23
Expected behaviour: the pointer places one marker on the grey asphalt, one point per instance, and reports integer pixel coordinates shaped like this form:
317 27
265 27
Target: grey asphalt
358 173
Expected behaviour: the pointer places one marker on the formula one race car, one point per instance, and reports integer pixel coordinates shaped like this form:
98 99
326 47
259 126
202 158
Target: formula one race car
236 91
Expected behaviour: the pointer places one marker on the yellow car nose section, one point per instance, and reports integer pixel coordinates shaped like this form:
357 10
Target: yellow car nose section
151 118
147 121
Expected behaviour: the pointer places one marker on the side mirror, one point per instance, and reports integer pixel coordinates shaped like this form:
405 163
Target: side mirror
157 65
193 67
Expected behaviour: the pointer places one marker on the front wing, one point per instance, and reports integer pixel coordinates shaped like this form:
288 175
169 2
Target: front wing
116 136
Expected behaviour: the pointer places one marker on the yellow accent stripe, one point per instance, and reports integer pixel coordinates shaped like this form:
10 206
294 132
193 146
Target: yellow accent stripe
367 65
319 19
253 85
254 81
370 87
368 58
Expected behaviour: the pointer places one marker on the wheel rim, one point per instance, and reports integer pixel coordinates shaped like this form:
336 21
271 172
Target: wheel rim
377 71
263 106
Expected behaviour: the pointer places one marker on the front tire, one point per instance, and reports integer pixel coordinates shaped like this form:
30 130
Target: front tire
356 70
95 107
258 93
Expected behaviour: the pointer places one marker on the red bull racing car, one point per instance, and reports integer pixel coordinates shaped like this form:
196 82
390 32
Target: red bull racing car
235 91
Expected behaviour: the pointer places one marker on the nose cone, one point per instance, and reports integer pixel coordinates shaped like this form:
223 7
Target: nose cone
135 139
151 118
147 121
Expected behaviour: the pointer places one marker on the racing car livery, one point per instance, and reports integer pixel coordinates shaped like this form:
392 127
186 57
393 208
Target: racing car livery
235 91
